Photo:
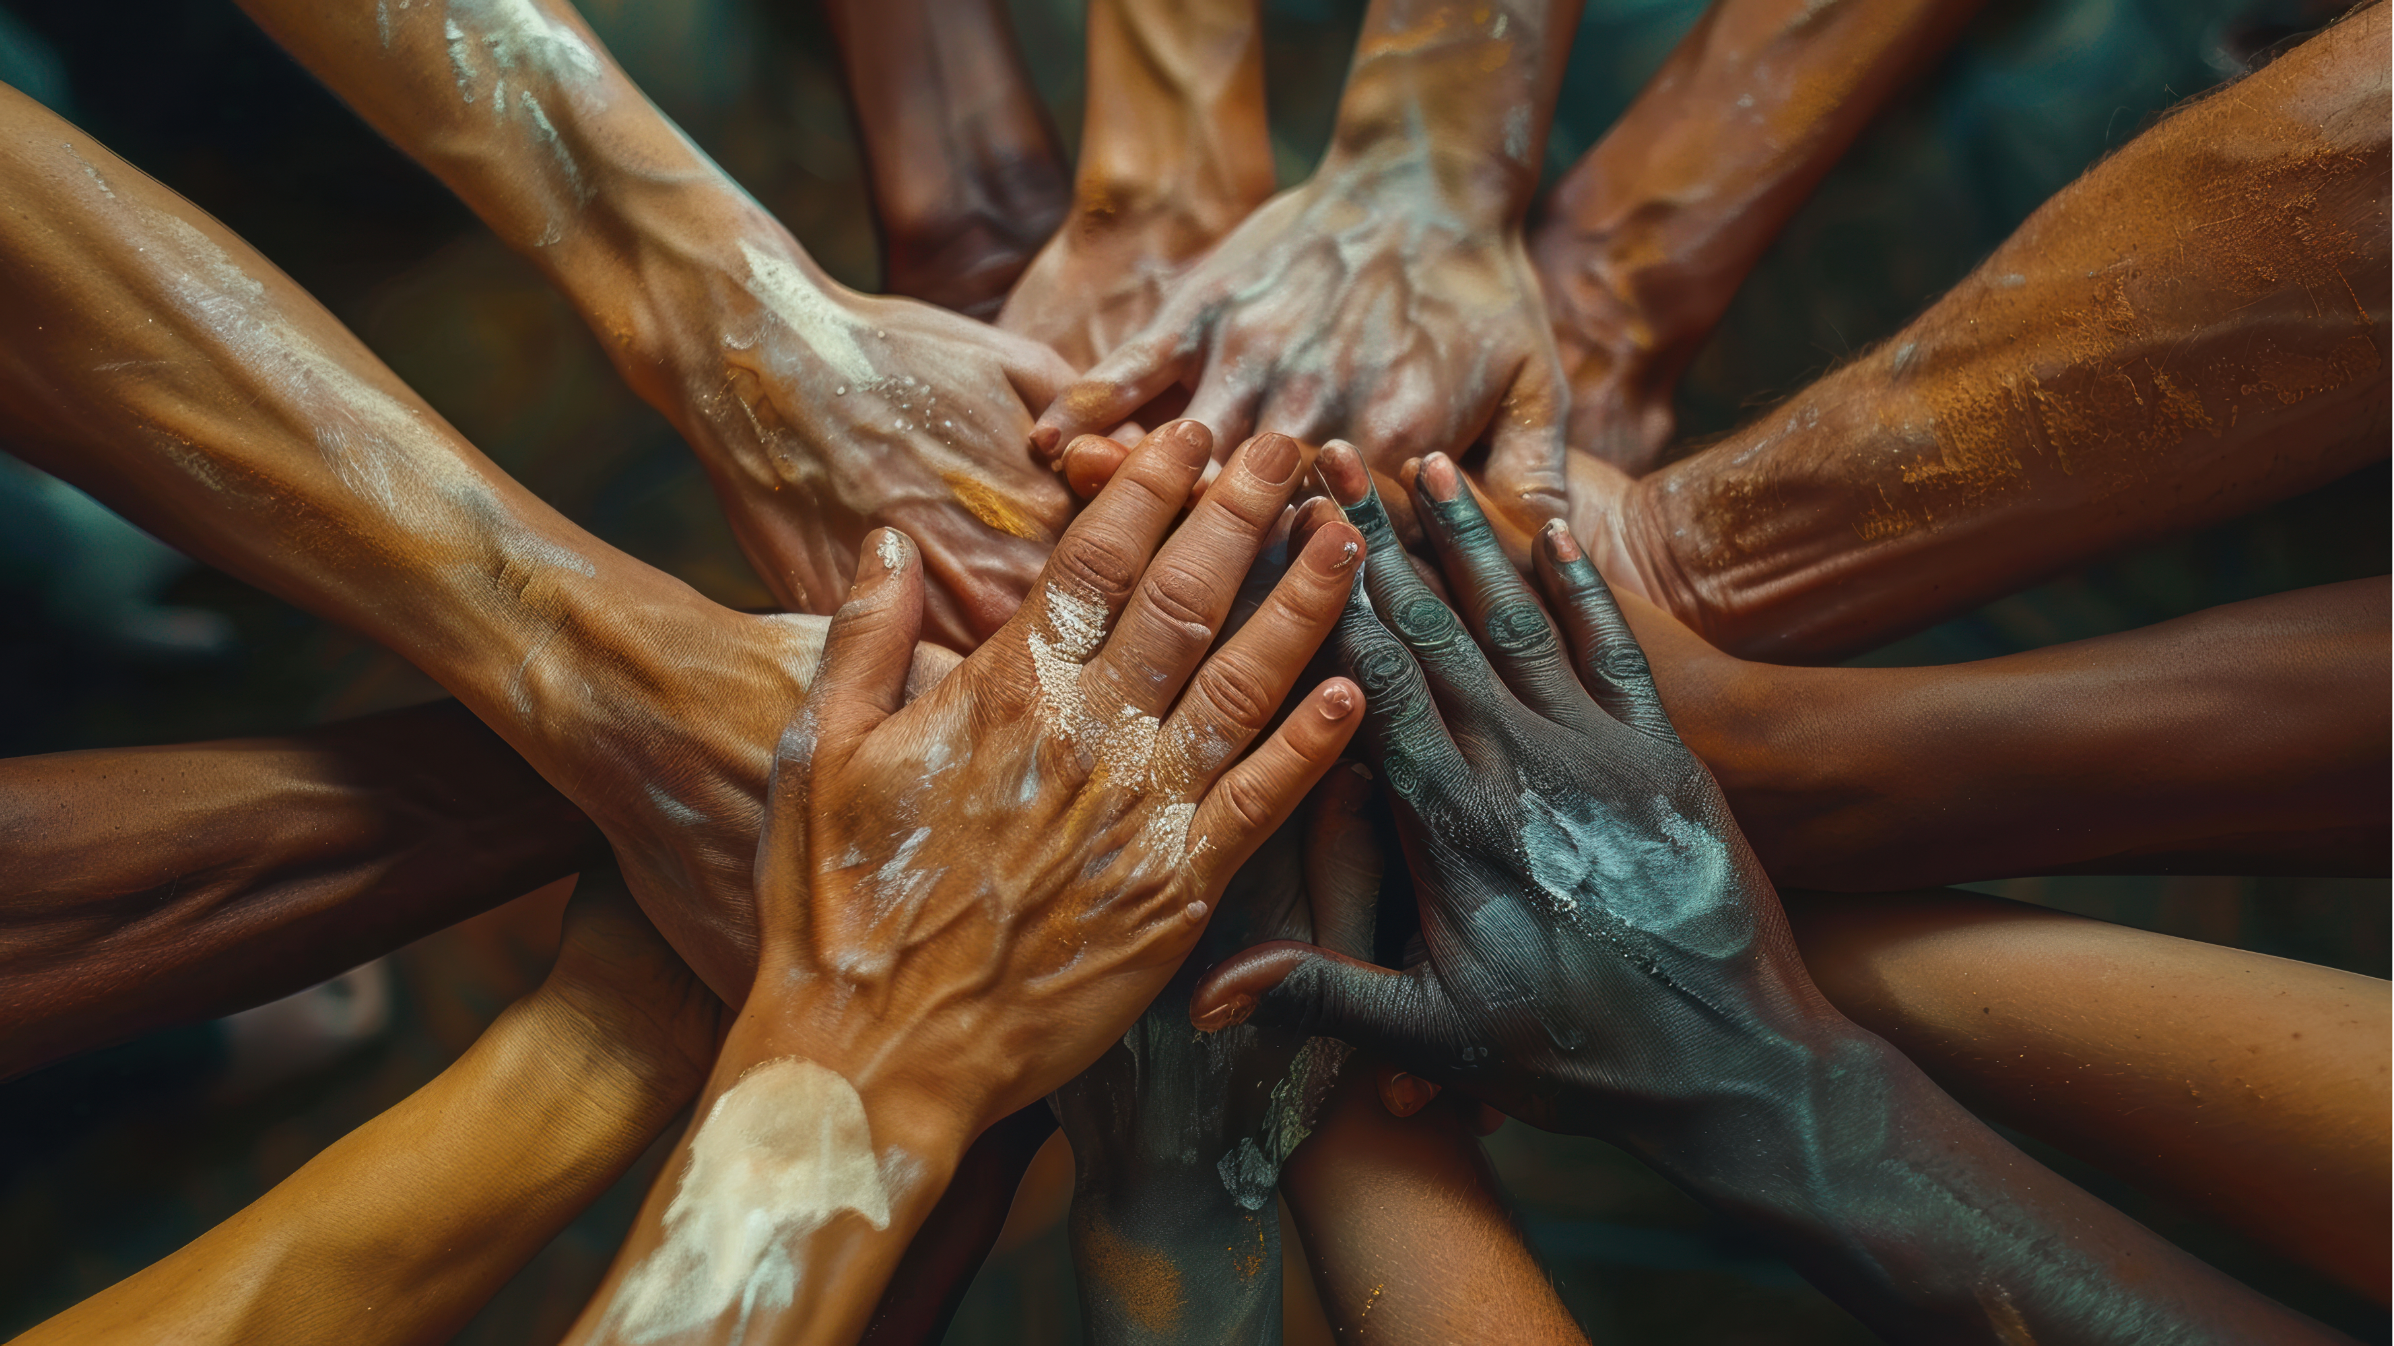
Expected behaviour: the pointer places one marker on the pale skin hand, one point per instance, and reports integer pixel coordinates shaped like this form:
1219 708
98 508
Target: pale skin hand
1175 151
2192 330
1647 239
1605 957
818 412
965 900
1389 299
402 1229
158 362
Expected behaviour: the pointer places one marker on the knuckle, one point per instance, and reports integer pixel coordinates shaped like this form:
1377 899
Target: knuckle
1177 594
1424 622
1623 662
1382 668
1248 801
1098 561
1236 692
1515 626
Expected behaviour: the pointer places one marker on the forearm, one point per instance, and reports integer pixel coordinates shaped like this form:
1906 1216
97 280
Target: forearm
1927 1226
1173 1258
1175 128
1459 99
402 1229
2151 351
151 886
1407 1235
2244 1085
2247 738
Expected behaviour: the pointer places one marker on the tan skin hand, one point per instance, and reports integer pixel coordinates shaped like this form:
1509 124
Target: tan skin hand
1175 151
1389 299
964 899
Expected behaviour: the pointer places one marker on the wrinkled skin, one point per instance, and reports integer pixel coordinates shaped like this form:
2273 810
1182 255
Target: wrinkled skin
1175 150
962 900
1389 298
966 174
1605 956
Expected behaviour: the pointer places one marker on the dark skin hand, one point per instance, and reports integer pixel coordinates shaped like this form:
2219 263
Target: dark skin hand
1389 297
1644 243
155 886
2192 330
1606 957
968 179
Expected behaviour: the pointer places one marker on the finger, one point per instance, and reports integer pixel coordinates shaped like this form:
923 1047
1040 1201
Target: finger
1465 685
1254 798
1036 371
1403 735
1609 659
1225 400
1187 590
869 649
1091 461
1498 608
1119 385
1343 864
1402 1092
978 574
1525 447
1404 1017
1299 406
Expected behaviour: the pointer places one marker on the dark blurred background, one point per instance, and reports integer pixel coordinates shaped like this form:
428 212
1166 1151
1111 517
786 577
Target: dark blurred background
107 638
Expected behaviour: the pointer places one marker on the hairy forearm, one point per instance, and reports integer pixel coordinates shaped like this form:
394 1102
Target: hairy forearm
151 886
2195 328
2247 737
1175 124
402 1229
2248 1086
1460 98
1407 1235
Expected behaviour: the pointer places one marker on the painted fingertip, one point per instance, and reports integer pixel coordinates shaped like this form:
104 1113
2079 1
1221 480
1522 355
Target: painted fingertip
1333 549
1344 473
1563 547
1439 479
888 549
1195 912
1232 1011
1338 699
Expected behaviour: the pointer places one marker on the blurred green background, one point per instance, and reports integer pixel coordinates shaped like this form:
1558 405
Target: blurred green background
108 1162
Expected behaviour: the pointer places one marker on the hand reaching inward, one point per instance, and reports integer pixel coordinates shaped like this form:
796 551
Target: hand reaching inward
822 414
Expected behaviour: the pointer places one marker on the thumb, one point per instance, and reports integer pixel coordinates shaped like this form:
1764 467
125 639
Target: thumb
1404 1017
869 649
1525 471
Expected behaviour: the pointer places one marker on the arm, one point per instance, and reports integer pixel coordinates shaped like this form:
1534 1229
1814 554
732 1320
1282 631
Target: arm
931 1280
158 362
2247 1086
1175 151
402 1229
150 886
968 180
2195 328
817 412
1389 297
1606 958
1408 1234
2250 738
1648 237
967 899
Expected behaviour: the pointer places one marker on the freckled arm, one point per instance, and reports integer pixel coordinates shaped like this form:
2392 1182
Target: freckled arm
151 886
1648 237
2195 328
2246 1086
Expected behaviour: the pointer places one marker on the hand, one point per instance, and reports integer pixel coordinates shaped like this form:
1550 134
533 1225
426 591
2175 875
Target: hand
1594 923
1620 384
1002 874
1362 304
1102 276
822 414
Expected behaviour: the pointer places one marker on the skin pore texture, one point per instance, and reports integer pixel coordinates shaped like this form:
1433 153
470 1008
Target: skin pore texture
818 412
401 1230
1604 956
965 900
2192 330
156 361
1175 151
1388 298
2247 1087
1643 244
153 886
967 177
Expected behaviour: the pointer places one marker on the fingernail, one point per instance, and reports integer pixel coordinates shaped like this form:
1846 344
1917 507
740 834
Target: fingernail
1337 701
1193 440
1343 471
1403 1094
1360 769
1195 911
1439 478
1044 437
1559 539
1333 549
1273 459
888 554
1232 1011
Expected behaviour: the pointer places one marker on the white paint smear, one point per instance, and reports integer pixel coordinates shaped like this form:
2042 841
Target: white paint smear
783 1152
828 331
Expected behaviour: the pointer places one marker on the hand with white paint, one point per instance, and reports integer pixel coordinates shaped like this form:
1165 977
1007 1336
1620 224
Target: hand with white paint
1389 299
964 899
1605 957
818 412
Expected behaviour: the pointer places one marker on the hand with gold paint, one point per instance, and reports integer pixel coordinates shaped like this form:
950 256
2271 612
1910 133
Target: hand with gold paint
963 901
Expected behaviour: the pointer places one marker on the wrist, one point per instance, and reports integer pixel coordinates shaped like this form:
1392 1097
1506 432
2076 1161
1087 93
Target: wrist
1377 156
1771 1145
916 1098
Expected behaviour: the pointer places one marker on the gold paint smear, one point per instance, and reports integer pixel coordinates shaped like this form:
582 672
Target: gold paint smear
1143 1281
995 510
